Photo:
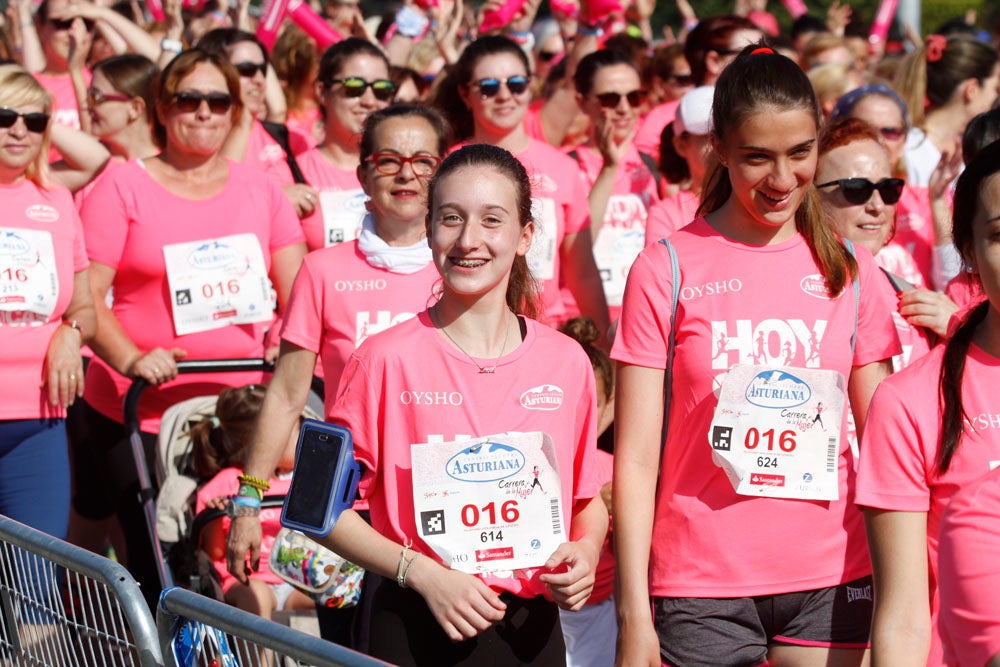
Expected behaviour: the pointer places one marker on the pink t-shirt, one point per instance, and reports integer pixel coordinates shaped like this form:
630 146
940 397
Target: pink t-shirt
34 220
339 299
966 291
604 578
898 468
533 121
970 578
670 214
647 139
623 232
225 484
64 106
128 218
409 385
325 177
746 304
915 228
304 130
896 260
266 154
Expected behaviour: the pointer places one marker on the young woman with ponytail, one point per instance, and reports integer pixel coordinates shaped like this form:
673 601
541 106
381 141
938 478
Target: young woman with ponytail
777 575
933 429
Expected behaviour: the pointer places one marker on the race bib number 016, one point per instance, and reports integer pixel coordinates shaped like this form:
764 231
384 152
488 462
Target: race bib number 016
491 504
776 431
217 282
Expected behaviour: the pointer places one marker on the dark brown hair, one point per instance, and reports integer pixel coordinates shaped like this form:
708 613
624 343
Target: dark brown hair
759 83
522 290
223 440
133 75
967 212
583 330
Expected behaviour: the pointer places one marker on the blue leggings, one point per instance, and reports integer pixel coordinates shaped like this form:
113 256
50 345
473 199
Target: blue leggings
34 474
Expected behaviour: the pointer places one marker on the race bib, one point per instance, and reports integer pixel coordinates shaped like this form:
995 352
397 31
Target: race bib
545 241
776 431
217 282
343 211
619 241
29 283
489 504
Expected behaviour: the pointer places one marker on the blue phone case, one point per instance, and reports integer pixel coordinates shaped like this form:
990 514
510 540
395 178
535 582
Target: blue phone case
347 474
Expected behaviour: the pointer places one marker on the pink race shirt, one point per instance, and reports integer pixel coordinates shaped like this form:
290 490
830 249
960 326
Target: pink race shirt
339 300
304 129
266 154
896 260
915 228
752 305
409 385
327 178
898 469
41 243
670 214
64 107
128 219
647 139
270 523
623 232
970 579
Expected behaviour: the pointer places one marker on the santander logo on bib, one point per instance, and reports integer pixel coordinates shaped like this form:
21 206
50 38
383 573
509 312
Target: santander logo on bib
542 397
815 285
42 213
213 255
777 389
485 462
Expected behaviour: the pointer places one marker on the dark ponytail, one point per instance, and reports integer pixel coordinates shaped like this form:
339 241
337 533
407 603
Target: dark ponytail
223 440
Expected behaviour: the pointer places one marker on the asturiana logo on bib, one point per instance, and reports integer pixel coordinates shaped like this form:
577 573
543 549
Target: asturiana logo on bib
815 285
213 255
12 245
485 462
542 397
356 204
777 389
42 213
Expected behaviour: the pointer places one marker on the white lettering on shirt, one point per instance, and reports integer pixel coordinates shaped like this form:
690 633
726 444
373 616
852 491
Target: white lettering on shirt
983 421
360 285
771 342
710 289
408 397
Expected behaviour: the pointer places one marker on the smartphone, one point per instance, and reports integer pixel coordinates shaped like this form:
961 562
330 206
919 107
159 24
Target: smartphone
325 480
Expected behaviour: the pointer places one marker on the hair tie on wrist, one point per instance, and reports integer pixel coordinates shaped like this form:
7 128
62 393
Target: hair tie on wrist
935 47
215 421
764 50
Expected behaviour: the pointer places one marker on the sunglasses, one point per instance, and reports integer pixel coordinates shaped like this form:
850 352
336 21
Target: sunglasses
892 133
248 69
355 86
98 97
859 190
35 122
390 164
612 100
188 101
682 79
547 56
66 24
515 84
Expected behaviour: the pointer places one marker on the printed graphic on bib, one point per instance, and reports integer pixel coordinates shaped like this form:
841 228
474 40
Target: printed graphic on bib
545 241
29 283
489 504
343 211
776 431
217 282
619 241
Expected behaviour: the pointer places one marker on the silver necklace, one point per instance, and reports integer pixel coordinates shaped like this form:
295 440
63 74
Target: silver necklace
482 369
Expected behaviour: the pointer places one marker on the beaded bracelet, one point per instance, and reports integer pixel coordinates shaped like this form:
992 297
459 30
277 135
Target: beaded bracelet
255 482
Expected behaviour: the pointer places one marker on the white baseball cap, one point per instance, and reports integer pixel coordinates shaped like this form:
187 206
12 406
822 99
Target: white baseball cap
694 113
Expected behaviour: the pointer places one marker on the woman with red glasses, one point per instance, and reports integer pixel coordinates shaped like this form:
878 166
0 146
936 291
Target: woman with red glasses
188 240
620 180
352 83
485 96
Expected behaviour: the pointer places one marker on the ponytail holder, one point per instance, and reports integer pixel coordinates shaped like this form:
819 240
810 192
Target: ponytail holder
764 50
215 421
935 47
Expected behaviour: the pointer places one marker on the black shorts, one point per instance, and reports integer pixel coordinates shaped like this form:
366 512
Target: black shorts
738 631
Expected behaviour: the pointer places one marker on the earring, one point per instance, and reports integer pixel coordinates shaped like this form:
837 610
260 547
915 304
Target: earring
968 269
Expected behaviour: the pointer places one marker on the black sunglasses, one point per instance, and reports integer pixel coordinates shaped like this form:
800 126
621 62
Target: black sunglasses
248 69
515 84
547 56
66 24
188 100
859 190
612 100
355 86
682 79
35 122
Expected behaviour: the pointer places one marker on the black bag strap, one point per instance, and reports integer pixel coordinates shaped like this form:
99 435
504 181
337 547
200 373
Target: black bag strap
280 134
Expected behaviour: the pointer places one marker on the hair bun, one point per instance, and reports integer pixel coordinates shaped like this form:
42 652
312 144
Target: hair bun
581 329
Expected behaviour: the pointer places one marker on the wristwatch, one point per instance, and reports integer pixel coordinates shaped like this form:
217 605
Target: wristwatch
234 509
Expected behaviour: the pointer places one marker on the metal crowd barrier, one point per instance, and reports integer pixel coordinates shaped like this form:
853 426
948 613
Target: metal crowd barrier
196 630
63 605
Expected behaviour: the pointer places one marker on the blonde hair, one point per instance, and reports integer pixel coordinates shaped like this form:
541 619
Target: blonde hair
17 89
